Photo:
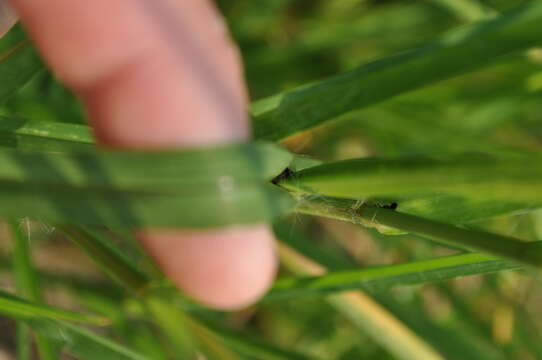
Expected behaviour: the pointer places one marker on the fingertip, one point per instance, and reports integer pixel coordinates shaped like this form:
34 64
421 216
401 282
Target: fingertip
225 269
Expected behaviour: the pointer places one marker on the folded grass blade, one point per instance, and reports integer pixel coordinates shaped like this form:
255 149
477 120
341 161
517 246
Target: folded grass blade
513 178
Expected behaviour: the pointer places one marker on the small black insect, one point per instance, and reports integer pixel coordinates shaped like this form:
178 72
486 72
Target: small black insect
391 206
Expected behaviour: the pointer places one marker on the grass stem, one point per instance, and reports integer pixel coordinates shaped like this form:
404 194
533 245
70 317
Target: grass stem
372 215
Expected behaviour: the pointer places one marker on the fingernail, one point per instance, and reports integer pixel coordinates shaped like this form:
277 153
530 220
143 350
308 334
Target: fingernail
8 17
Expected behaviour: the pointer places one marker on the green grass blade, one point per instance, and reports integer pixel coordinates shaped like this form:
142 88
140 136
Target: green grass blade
461 51
529 253
251 346
27 287
461 209
17 308
17 66
108 258
46 129
172 170
23 340
173 324
85 344
50 136
524 252
453 209
46 349
383 277
25 277
193 188
32 135
512 179
457 191
246 205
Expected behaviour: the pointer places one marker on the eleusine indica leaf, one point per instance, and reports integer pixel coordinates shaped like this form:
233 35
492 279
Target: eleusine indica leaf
515 178
177 171
210 187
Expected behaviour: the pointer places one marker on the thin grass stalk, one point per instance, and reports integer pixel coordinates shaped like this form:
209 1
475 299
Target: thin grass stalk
371 215
27 287
112 262
24 341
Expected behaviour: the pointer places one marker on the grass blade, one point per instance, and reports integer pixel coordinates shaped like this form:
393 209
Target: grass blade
32 135
17 66
173 324
247 205
204 188
462 210
27 287
144 170
23 340
50 136
529 253
458 190
453 209
85 344
108 258
18 308
46 129
250 345
481 177
383 277
461 51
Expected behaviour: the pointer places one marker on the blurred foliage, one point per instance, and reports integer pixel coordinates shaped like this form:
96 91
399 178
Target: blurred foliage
287 43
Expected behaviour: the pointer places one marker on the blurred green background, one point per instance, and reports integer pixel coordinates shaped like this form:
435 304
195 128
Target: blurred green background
286 43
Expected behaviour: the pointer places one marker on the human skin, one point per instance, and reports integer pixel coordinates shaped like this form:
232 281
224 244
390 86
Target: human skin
7 18
161 74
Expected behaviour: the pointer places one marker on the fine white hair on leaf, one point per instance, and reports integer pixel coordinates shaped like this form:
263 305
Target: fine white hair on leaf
8 17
